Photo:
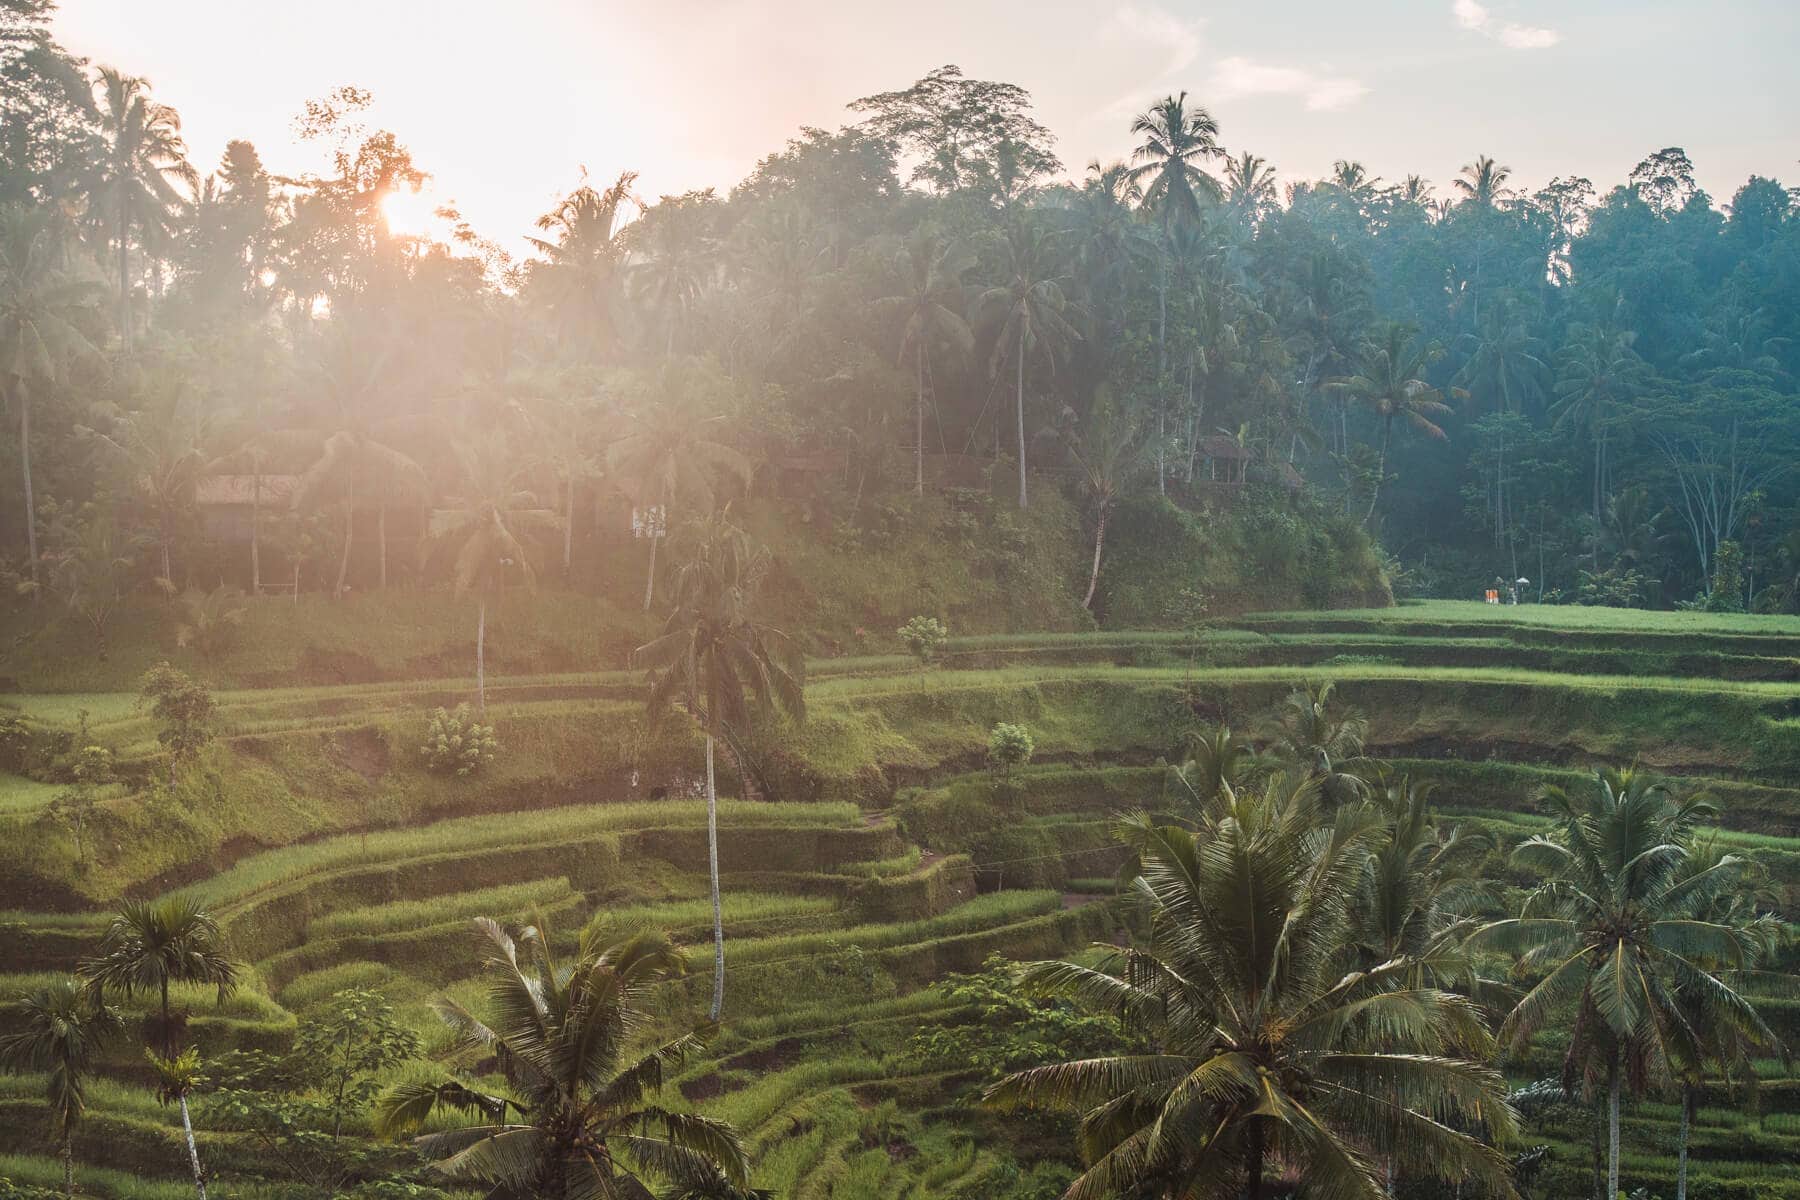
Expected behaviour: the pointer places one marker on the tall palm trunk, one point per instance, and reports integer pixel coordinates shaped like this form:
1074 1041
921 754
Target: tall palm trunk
124 276
1681 1152
919 446
1021 397
481 657
349 534
1387 435
256 530
1094 575
68 1157
1612 1125
1255 1188
569 526
655 519
25 462
187 1127
712 866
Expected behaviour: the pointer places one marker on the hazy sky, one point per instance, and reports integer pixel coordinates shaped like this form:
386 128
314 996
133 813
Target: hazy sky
505 102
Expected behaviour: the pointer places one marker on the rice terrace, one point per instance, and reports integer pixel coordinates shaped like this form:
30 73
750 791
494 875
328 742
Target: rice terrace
847 657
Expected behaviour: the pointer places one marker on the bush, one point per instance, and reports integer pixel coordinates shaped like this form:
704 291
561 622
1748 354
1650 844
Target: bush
922 637
456 744
184 708
1009 747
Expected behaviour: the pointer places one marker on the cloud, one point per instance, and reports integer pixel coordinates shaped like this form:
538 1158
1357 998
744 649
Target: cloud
1476 18
1239 76
1159 27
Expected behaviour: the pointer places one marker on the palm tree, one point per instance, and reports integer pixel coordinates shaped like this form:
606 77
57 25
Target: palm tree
1419 880
151 944
1031 304
1596 374
676 267
176 1079
1268 1057
586 260
1108 234
143 160
1107 453
159 446
59 1032
1748 907
1250 185
668 457
1483 182
1392 386
563 431
40 311
1618 931
930 269
486 532
1216 765
354 443
722 664
1177 139
1310 732
578 1119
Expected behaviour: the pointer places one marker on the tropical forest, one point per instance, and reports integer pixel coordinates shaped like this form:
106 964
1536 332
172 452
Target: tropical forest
973 655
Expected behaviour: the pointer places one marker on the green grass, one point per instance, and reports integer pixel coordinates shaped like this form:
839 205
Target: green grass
694 915
1554 616
277 867
506 901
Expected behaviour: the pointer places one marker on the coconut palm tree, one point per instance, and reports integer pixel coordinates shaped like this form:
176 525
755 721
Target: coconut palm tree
563 432
578 1119
355 444
1217 763
1595 374
1392 386
58 1032
1617 931
41 303
929 307
151 944
1108 236
671 458
1421 879
1178 138
674 270
1250 186
1269 1058
1107 453
581 281
486 532
1311 732
1750 907
159 446
724 666
1033 312
1483 182
143 160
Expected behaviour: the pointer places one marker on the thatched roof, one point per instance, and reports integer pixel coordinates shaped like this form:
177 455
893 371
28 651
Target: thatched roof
1224 449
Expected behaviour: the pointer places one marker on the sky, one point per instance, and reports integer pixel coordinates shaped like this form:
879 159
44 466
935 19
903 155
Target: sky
507 104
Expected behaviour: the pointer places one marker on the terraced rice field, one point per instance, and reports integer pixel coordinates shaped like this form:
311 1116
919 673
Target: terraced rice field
885 860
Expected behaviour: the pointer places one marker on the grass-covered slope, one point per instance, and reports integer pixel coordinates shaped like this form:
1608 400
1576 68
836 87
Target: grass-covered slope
886 857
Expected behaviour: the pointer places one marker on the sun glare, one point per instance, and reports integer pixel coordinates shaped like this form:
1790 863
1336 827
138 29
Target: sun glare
410 213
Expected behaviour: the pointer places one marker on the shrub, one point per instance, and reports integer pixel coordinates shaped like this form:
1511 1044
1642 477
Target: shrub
923 636
456 744
183 706
1009 747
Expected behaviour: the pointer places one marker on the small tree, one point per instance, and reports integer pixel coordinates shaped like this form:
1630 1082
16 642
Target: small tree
457 744
1727 594
184 707
353 1038
176 1079
74 806
1009 748
91 568
58 1033
923 636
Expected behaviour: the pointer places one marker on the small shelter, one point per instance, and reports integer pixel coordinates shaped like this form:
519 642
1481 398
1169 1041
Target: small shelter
1227 460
